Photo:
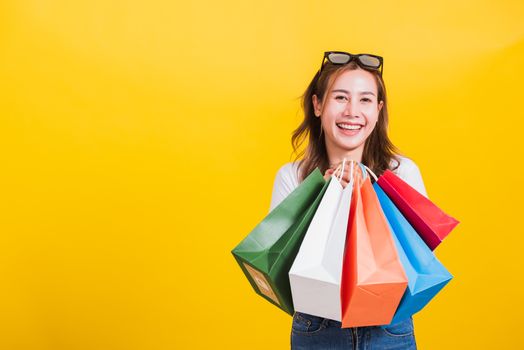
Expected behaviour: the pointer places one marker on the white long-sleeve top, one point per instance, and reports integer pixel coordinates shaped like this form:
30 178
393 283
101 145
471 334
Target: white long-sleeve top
286 179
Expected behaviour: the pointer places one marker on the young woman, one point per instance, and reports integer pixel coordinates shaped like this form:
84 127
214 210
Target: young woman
346 116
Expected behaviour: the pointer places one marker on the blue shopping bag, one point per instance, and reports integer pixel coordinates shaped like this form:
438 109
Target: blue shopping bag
426 275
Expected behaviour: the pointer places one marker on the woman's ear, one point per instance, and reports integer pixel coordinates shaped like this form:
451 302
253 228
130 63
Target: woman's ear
317 106
380 105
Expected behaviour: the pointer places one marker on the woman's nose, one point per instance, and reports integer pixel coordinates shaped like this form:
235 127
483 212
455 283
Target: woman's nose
352 109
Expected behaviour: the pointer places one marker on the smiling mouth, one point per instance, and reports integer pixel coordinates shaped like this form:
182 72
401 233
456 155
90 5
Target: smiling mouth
344 126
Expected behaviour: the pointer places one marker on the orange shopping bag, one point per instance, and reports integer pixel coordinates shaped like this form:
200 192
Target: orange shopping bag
373 279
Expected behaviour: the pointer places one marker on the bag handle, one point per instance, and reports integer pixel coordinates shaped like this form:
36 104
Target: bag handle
365 171
350 172
342 170
337 168
371 172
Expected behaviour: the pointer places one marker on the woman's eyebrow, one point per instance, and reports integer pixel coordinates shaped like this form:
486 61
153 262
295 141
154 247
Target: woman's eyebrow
361 92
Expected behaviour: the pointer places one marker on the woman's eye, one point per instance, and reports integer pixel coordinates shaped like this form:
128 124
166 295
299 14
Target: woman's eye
366 100
340 97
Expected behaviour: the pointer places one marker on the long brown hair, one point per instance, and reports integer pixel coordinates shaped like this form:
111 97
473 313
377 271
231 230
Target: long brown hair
378 148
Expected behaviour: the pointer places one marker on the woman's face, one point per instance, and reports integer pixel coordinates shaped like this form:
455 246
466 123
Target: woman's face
350 113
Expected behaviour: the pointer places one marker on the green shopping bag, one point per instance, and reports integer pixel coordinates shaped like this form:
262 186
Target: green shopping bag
267 253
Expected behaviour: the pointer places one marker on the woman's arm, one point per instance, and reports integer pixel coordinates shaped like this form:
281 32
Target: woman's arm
283 185
410 173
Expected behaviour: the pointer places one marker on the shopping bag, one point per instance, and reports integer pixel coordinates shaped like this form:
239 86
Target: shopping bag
431 223
373 279
267 253
316 273
426 275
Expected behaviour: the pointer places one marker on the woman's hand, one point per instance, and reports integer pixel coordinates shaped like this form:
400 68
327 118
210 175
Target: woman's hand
336 169
328 173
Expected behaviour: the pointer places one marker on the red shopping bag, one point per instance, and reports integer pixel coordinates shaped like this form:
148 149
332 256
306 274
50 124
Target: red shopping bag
373 278
431 223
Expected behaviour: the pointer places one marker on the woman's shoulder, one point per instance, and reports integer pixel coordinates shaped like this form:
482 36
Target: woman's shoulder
286 180
288 172
408 170
401 163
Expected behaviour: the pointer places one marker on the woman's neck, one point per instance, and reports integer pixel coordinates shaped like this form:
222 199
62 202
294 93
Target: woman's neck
337 155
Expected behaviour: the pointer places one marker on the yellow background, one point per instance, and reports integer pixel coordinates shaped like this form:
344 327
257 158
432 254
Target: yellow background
140 139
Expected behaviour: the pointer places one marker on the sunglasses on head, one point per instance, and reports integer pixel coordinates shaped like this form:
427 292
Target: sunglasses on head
364 60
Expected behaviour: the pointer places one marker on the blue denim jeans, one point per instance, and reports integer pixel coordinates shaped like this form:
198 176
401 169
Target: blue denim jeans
313 332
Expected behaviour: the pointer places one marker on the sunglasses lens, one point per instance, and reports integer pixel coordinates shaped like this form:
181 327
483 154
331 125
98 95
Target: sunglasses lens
339 58
369 61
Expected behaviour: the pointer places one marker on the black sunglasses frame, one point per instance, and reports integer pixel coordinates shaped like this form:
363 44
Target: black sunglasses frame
355 57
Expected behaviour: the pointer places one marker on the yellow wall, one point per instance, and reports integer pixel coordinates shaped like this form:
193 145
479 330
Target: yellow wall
140 139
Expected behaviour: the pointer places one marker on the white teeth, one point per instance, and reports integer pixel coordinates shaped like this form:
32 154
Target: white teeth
349 127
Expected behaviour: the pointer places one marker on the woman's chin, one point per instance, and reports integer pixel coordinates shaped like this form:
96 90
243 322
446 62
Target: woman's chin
349 143
350 147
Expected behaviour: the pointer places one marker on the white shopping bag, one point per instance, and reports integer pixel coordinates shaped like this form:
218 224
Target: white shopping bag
316 273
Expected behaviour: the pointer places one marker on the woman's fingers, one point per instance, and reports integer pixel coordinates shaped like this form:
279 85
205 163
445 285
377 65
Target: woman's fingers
347 172
328 173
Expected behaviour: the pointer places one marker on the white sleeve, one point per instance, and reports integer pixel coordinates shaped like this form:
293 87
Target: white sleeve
282 186
410 173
